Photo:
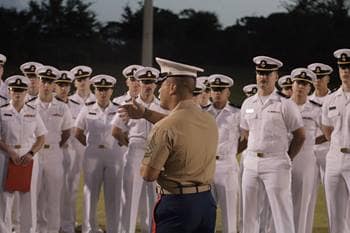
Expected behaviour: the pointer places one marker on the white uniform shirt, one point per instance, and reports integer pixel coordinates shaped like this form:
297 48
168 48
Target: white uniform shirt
56 117
336 114
138 128
122 99
320 100
96 124
20 128
269 123
311 114
227 120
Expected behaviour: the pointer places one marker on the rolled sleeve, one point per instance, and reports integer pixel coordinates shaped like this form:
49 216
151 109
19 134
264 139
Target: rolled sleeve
80 121
157 149
325 119
67 119
40 129
293 116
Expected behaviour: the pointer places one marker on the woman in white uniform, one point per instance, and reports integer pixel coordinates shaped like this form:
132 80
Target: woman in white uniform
21 137
103 160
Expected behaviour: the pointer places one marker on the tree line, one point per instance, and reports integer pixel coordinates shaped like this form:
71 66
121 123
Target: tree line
68 32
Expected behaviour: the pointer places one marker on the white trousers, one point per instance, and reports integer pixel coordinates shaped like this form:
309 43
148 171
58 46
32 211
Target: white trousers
72 164
50 185
304 177
226 192
269 176
27 206
102 166
139 195
337 187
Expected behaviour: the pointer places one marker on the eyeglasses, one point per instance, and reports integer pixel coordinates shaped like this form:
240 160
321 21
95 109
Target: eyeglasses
101 89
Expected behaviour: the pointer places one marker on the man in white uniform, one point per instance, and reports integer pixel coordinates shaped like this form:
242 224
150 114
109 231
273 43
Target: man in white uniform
21 137
266 120
58 120
132 84
28 69
139 195
336 127
226 180
285 83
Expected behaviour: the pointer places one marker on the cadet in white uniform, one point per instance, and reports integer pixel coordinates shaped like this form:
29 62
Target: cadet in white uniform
250 90
139 195
285 83
68 204
197 92
205 95
323 74
76 102
3 86
28 69
21 137
336 126
132 84
304 166
103 159
226 179
58 120
266 120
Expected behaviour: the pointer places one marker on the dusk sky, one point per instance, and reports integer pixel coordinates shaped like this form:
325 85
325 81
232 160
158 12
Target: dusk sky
227 10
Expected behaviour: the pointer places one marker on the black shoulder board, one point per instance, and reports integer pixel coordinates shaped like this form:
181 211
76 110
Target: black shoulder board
90 103
234 105
32 99
3 97
281 94
334 89
30 106
4 105
128 100
332 108
205 107
315 103
6 114
73 101
92 113
116 104
59 99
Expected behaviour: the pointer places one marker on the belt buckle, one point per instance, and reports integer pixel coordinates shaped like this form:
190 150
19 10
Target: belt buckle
345 150
260 155
101 146
17 146
46 146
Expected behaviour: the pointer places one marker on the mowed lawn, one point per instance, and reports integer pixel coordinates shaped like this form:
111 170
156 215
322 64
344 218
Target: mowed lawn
320 220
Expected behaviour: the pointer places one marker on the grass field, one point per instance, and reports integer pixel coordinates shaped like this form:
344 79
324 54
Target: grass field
320 220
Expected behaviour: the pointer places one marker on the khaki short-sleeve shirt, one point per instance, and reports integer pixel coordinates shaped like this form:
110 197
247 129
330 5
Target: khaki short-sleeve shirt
183 146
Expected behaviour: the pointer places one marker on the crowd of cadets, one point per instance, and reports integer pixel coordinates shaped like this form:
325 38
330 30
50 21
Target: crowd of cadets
270 190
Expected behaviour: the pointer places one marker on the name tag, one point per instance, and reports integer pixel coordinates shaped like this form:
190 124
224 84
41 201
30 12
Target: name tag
249 110
92 113
6 114
57 114
273 111
29 115
307 118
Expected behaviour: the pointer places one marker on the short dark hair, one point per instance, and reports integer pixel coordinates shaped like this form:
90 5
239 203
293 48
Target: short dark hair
185 85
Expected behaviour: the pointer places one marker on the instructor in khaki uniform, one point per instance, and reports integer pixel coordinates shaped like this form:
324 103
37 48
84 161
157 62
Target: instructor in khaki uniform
180 155
266 120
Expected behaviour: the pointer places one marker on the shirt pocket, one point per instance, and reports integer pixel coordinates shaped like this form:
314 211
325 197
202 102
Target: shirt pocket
334 116
251 118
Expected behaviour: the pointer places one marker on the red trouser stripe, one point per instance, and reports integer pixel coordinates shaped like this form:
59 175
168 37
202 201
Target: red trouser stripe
154 225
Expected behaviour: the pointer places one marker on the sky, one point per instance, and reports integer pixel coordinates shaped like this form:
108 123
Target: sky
228 11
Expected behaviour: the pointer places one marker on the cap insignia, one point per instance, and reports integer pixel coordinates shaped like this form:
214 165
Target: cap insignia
103 81
217 81
263 63
149 73
318 69
18 81
303 75
343 57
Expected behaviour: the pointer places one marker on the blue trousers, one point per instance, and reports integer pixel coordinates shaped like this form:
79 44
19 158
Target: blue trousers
185 213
